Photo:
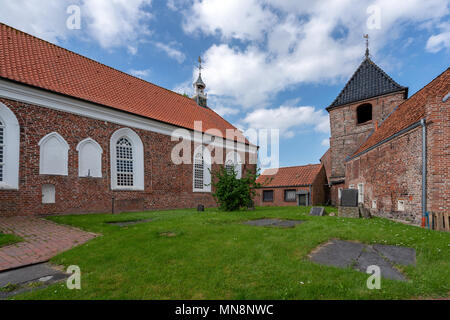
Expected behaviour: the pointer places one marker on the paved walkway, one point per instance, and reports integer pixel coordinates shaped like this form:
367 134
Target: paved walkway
43 240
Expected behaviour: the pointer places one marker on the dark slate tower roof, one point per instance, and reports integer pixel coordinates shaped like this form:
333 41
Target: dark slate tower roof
368 81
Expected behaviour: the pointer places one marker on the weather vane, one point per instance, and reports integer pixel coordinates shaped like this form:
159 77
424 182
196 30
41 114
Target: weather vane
366 36
200 65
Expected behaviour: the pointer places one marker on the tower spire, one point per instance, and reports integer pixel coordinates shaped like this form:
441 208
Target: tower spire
200 97
366 36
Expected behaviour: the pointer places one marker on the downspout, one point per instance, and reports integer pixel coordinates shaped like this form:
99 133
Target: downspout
425 221
310 196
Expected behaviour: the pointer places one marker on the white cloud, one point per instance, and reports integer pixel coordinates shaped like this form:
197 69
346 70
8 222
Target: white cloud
171 51
112 23
140 73
326 143
45 19
288 120
231 18
116 22
311 42
439 41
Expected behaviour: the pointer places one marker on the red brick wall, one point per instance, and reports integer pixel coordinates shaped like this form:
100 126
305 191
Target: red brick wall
390 173
393 171
438 146
319 193
278 197
347 135
166 185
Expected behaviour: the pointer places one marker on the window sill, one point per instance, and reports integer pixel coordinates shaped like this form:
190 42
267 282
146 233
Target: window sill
201 191
127 188
4 186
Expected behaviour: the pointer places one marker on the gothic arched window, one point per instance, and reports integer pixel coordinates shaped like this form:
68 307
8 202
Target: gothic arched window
202 170
9 149
233 160
127 161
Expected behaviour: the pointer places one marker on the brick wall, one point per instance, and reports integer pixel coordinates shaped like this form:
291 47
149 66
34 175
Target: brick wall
166 185
390 173
278 197
319 193
438 146
347 135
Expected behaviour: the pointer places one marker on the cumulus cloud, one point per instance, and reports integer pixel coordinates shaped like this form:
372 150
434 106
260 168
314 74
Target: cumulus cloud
45 19
288 120
171 51
139 73
115 22
288 43
439 41
231 18
112 23
326 143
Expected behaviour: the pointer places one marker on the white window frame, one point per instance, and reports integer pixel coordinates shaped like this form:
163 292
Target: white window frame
98 158
138 159
11 149
64 153
234 159
206 169
360 192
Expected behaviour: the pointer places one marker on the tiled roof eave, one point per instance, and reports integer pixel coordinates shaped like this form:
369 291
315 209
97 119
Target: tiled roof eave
104 106
333 105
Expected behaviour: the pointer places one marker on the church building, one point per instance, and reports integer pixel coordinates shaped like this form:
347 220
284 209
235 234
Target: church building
77 136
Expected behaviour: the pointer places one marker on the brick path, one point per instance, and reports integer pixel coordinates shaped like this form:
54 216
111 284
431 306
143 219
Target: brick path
43 239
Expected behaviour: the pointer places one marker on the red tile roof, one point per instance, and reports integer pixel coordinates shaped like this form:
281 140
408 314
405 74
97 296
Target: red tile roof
32 61
290 176
410 111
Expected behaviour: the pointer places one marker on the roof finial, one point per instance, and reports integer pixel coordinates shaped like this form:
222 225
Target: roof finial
366 36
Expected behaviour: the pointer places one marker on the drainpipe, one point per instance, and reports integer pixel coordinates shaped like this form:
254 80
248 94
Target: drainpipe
310 196
424 173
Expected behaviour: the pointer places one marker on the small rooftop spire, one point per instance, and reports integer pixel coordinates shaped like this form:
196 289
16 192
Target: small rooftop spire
200 86
366 36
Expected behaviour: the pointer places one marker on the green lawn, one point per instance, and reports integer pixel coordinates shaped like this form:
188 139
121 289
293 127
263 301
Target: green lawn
214 256
7 239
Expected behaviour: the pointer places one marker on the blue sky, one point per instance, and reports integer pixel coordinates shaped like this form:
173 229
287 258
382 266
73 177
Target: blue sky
268 64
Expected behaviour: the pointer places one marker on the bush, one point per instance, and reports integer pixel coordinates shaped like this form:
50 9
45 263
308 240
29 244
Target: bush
232 193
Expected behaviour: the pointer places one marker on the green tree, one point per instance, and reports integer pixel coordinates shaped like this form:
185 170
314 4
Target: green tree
232 193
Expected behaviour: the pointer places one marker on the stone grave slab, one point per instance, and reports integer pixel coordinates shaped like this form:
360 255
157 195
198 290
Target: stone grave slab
274 223
349 198
370 257
128 223
338 253
317 211
398 255
345 254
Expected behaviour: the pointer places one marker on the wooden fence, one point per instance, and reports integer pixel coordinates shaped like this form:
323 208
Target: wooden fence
440 221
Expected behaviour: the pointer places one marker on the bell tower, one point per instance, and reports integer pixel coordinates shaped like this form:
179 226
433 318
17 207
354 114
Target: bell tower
368 98
200 97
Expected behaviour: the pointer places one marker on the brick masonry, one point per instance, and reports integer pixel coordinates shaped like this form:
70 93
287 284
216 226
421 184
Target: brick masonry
347 135
42 240
393 171
166 185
